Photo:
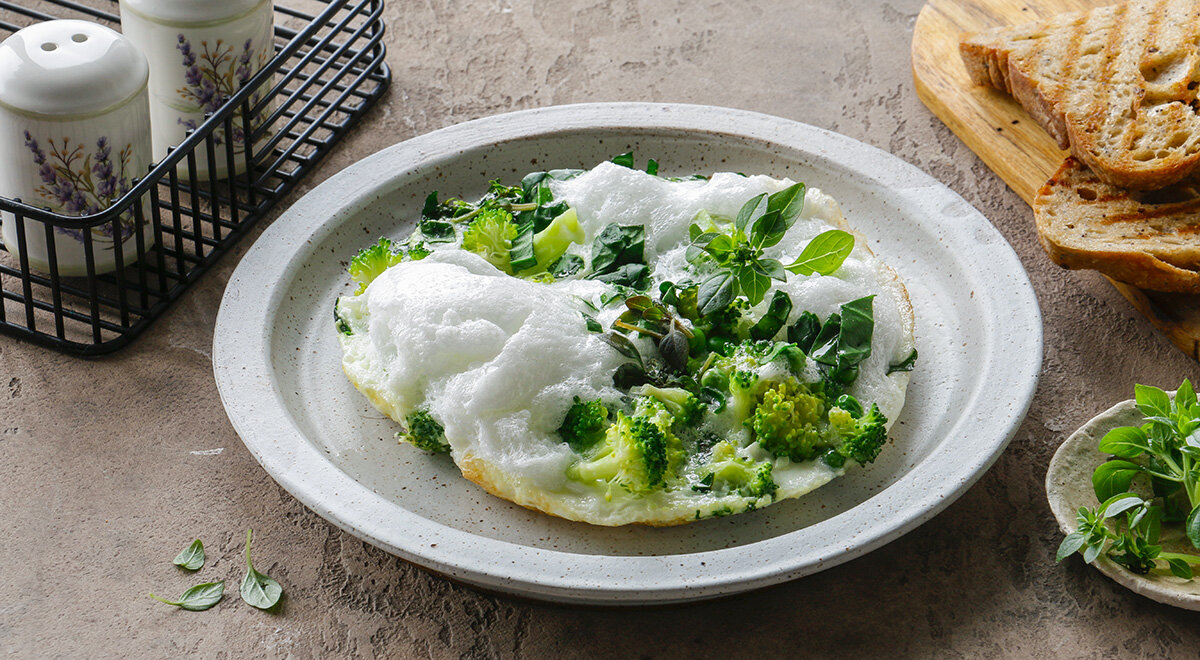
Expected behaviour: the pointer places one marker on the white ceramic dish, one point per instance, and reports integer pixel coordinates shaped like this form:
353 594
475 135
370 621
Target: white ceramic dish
1069 486
277 361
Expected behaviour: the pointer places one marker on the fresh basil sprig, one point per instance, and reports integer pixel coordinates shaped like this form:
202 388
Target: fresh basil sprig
191 557
1165 452
823 254
258 589
198 598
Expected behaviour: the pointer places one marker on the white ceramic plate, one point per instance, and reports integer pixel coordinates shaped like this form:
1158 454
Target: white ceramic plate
277 361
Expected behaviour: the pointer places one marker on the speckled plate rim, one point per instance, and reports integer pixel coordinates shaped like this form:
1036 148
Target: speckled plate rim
1069 486
244 374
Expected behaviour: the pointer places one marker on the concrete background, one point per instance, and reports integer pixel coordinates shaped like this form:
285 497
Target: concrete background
99 485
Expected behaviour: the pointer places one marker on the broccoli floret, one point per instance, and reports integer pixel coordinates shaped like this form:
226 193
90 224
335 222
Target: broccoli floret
370 262
424 432
490 235
685 409
551 243
790 421
728 472
636 455
862 436
584 424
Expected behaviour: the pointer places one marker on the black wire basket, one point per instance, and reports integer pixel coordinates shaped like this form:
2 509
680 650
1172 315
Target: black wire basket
328 70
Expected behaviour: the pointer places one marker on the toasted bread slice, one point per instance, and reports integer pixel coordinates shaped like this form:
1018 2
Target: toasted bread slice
1116 85
1150 239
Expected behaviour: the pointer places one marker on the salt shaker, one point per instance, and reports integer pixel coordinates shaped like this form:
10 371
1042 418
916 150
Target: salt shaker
201 52
74 124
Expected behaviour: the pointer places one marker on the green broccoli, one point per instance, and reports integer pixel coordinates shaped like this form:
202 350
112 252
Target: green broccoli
790 421
728 472
584 424
490 235
636 455
371 261
861 435
551 243
685 409
424 432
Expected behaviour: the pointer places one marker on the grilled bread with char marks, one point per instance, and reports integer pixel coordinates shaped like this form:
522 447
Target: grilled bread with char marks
1116 85
1148 238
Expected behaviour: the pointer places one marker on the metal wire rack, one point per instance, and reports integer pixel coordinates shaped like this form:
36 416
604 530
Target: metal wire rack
328 70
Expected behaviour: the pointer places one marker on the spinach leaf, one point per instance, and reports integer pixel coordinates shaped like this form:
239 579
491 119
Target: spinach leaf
775 318
858 324
624 160
619 256
433 228
536 186
191 557
258 589
635 276
804 331
906 364
566 266
198 598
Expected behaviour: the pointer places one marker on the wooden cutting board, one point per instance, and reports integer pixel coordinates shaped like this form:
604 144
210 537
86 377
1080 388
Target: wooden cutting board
1005 137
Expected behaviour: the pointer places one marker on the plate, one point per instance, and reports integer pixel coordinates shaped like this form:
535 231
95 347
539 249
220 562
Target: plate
278 365
1069 486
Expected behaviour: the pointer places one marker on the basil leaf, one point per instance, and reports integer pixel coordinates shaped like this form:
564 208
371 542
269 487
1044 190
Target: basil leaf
906 364
767 230
592 324
191 557
566 266
198 598
789 202
674 348
771 268
715 293
1152 401
775 318
1125 441
749 211
753 284
720 248
258 589
804 331
1180 568
1185 396
823 254
1120 503
1113 477
1071 545
1192 526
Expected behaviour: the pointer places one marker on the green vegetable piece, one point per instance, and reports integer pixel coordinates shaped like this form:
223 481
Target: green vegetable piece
198 598
616 246
715 293
491 236
191 557
566 266
521 255
258 589
370 262
1191 526
552 242
338 321
1113 477
624 160
804 331
424 432
584 424
906 364
772 322
1125 442
823 254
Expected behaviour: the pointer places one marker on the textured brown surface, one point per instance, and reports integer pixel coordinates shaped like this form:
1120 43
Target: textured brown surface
100 488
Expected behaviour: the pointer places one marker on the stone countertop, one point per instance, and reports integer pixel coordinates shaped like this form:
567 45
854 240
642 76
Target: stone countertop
112 465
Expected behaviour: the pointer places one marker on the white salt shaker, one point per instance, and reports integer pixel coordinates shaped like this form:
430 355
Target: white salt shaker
74 120
201 52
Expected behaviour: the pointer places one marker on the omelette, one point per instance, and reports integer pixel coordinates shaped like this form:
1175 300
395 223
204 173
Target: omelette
613 346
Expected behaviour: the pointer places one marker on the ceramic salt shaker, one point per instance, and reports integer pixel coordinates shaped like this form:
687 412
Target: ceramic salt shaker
74 120
201 52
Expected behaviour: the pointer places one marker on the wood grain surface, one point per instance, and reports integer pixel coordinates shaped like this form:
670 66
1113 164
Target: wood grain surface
1005 137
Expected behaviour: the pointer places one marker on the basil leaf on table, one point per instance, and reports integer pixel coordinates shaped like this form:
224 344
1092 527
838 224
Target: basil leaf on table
258 589
191 557
198 598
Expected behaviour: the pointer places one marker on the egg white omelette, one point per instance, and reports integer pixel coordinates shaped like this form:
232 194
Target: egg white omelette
566 362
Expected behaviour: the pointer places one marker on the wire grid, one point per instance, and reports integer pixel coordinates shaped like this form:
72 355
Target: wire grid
327 71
